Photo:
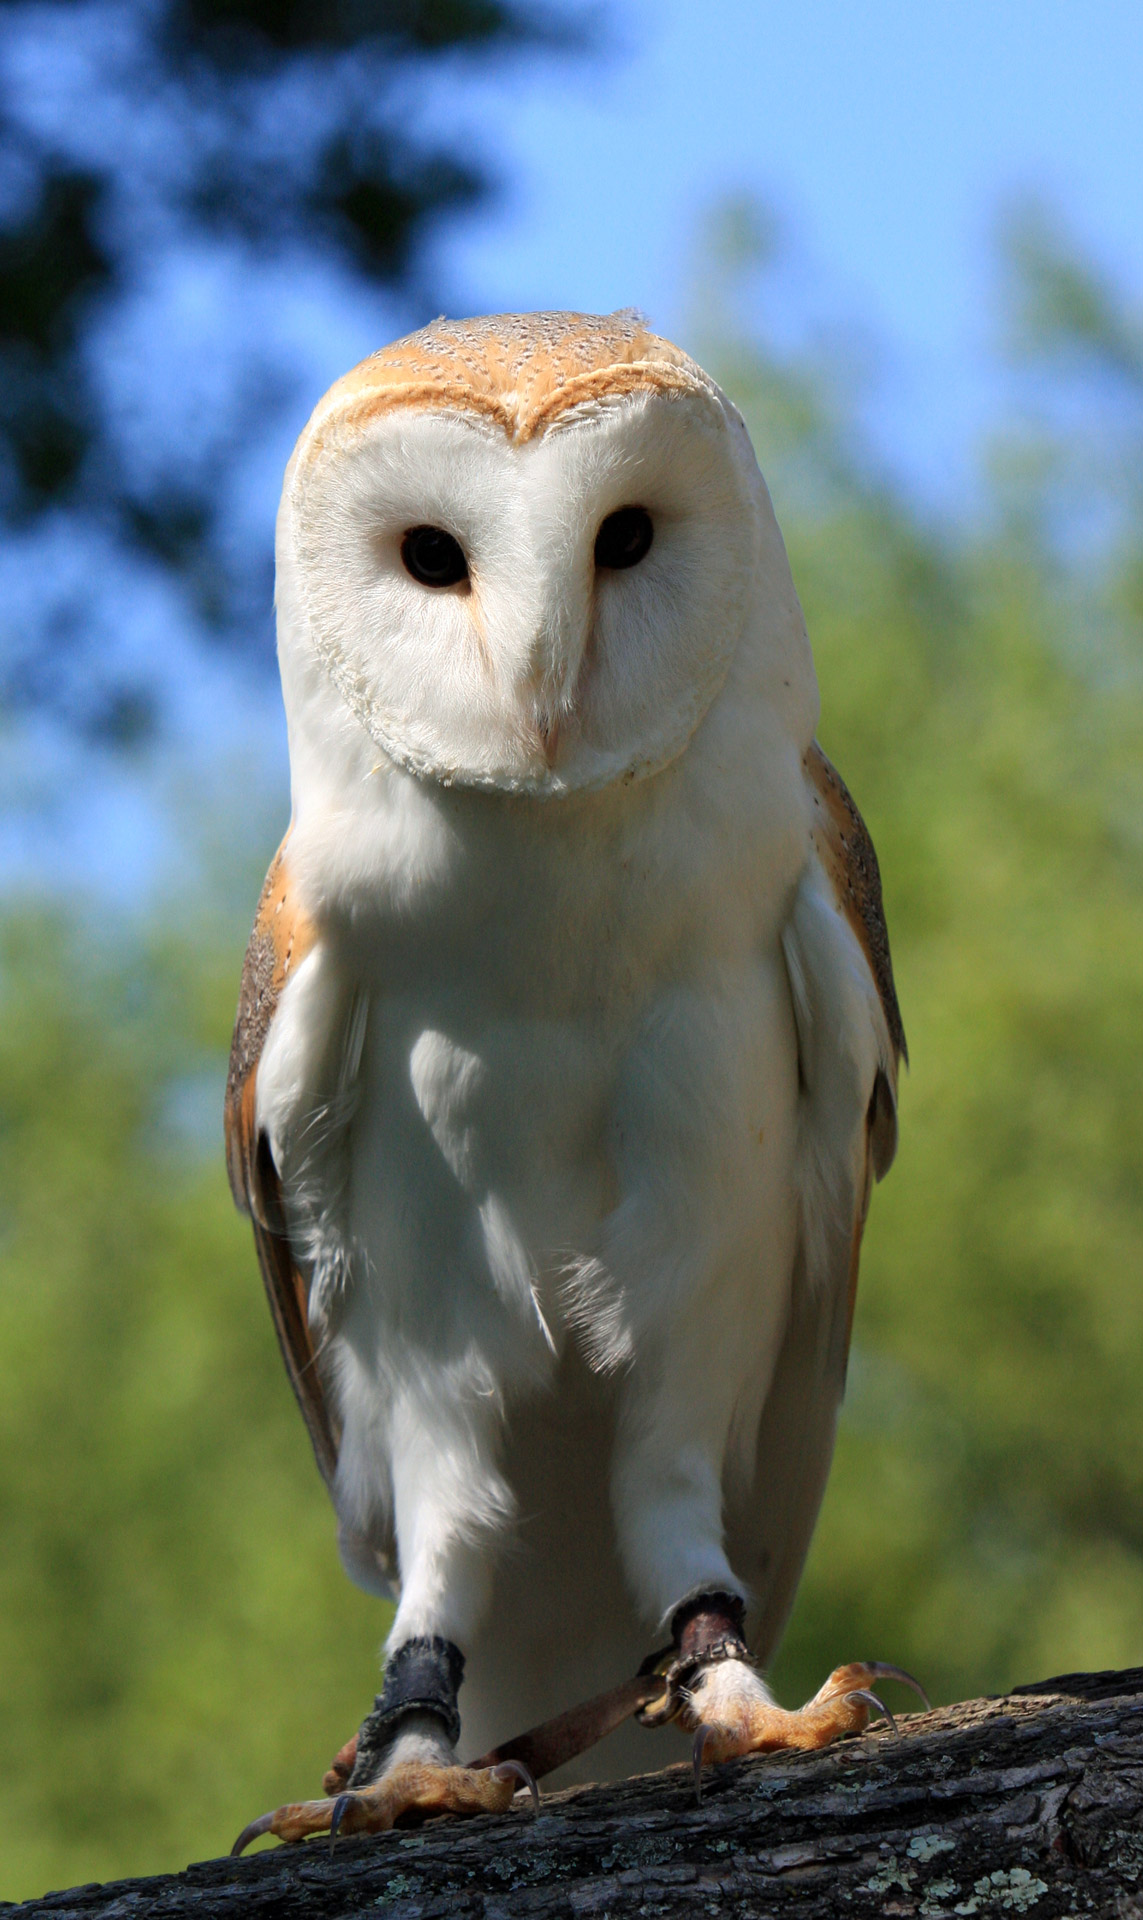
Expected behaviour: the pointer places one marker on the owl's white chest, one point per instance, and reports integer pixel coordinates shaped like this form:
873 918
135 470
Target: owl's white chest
577 1020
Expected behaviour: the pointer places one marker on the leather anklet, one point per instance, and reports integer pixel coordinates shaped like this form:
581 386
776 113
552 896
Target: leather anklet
705 1630
422 1676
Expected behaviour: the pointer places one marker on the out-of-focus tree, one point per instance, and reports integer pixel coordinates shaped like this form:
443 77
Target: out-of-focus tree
176 1634
1073 471
983 692
287 133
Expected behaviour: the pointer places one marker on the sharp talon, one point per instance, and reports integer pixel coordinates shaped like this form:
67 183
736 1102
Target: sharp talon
881 1671
871 1700
508 1769
340 1807
254 1831
703 1734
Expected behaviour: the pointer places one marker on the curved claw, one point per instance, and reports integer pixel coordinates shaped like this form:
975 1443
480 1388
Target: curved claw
702 1735
882 1671
341 1807
871 1700
507 1769
263 1824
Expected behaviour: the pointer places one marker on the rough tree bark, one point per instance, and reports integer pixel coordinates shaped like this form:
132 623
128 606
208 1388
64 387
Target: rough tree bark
1031 1803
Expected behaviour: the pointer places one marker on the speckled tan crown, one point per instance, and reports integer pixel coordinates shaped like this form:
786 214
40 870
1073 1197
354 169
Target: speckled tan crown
519 369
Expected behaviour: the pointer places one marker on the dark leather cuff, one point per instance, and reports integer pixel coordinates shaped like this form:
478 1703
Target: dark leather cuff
705 1629
423 1676
705 1620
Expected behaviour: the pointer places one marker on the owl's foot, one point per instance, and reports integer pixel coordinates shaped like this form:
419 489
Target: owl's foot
732 1713
401 1763
410 1790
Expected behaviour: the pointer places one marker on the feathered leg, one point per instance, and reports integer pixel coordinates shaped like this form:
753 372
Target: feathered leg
667 1493
405 1764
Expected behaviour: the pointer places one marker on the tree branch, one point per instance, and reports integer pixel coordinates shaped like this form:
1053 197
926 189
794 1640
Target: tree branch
1031 1803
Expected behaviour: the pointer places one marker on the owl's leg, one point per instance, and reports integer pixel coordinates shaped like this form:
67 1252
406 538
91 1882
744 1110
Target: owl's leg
715 1692
450 1507
667 1495
404 1765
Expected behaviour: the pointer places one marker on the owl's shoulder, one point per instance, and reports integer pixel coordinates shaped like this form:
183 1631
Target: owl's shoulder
848 858
282 935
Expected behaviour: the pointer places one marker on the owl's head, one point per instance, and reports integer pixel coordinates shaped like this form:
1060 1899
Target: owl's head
523 551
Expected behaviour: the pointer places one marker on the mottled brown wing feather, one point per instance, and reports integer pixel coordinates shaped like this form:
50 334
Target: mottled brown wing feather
281 937
846 852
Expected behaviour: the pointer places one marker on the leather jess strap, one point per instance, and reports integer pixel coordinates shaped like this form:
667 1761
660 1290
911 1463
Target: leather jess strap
707 1627
544 1748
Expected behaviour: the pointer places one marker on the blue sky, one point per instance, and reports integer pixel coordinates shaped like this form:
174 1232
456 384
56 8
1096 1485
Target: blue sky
886 136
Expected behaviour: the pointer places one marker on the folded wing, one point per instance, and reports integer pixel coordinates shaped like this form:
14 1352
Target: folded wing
850 1044
281 939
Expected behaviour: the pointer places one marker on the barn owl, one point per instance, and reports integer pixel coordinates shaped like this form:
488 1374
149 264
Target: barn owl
566 1050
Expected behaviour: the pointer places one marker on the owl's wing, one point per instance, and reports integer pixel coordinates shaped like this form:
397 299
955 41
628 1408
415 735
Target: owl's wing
282 936
850 1043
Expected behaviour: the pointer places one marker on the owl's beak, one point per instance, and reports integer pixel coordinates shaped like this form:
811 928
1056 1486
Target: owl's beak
555 667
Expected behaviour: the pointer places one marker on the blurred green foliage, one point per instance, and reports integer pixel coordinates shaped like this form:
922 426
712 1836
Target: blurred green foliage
178 1646
982 691
176 1634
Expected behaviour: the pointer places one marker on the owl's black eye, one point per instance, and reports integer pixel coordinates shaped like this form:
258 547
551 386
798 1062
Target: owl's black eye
624 538
433 557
